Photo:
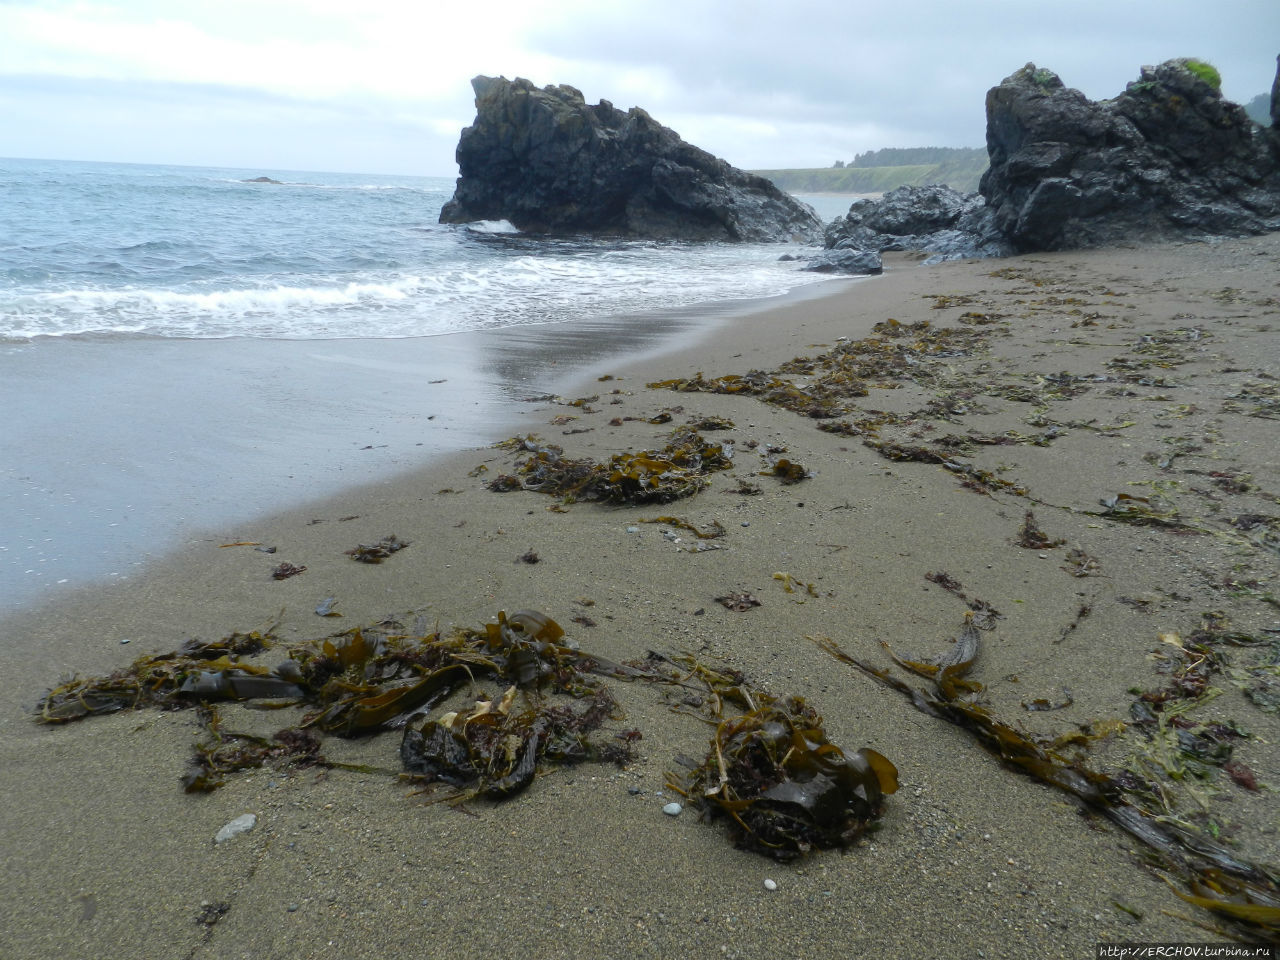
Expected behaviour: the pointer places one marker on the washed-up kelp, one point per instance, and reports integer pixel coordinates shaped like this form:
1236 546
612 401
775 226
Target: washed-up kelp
377 552
493 750
194 673
899 352
1141 512
222 753
1216 877
364 681
676 471
971 477
1031 537
783 787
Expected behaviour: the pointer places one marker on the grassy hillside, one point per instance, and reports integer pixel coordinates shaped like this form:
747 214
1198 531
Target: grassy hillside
959 175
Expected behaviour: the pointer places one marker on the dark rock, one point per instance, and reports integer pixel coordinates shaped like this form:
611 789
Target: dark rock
855 262
551 164
1167 158
261 180
934 219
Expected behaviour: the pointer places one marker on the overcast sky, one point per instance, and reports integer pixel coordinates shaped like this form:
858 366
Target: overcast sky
382 86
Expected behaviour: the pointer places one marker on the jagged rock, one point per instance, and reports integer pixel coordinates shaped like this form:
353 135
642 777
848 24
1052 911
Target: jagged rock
1167 158
934 219
855 262
549 163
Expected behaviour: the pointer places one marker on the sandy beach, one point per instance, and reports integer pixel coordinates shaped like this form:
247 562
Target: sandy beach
1127 398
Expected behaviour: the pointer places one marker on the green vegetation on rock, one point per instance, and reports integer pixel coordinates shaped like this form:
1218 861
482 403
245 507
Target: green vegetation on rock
1206 72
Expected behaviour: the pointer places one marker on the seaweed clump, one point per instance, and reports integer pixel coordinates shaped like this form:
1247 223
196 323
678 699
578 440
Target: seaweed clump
377 552
784 788
1215 877
367 681
680 469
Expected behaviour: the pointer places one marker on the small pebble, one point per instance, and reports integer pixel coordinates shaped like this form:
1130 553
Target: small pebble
126 640
633 529
672 809
770 884
241 824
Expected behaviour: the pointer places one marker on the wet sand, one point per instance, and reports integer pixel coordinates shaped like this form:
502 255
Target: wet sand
1147 372
116 451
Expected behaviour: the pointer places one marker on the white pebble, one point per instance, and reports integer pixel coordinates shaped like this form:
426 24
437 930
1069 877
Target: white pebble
633 529
241 824
672 809
770 884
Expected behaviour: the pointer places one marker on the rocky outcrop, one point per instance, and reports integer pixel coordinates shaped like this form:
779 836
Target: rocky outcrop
549 163
1167 158
855 261
936 220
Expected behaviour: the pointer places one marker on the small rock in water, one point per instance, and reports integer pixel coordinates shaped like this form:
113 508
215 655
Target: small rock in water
770 884
241 824
672 809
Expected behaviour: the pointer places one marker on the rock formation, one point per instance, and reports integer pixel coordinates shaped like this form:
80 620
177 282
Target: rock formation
551 164
1169 157
934 219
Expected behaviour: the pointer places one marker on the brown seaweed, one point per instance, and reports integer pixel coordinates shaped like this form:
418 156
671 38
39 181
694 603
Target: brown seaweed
788 471
783 786
493 751
223 753
358 682
678 470
377 552
1031 537
713 531
1217 878
1140 512
284 571
738 602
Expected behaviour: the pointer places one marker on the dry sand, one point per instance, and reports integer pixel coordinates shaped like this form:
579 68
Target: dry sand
106 857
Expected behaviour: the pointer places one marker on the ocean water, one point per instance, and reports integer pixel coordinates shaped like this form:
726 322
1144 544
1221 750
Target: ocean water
132 250
182 350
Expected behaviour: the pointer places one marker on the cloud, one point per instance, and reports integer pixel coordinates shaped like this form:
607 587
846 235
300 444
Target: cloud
213 125
761 84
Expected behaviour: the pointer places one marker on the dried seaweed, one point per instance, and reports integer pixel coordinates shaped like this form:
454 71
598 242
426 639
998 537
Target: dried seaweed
971 477
493 750
377 552
1031 537
788 471
676 471
284 571
1217 878
1141 512
224 753
713 531
358 682
784 788
738 602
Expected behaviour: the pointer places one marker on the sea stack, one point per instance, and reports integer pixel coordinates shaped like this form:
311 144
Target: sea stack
549 163
1169 157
